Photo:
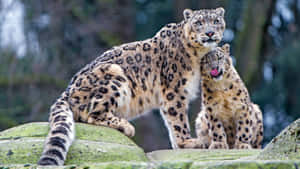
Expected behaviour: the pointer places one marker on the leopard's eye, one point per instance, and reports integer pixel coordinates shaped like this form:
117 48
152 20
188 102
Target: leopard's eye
216 21
198 23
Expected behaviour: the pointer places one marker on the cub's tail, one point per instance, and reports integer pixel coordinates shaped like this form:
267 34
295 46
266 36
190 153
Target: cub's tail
61 134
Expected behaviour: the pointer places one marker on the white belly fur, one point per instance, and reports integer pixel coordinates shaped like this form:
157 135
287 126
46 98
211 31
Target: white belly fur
192 85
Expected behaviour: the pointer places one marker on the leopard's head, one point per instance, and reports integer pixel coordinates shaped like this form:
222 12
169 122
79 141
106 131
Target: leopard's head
216 63
204 28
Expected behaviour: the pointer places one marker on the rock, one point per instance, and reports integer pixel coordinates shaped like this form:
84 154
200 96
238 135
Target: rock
216 159
285 146
199 155
24 144
254 164
103 165
99 148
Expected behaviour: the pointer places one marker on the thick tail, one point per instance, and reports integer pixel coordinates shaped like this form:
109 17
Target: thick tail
61 134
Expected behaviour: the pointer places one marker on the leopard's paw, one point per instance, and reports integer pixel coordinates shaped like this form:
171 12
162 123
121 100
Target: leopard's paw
242 146
127 129
218 145
193 143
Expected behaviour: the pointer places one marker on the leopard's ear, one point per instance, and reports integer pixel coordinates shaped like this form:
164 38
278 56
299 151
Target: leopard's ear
226 48
187 14
220 11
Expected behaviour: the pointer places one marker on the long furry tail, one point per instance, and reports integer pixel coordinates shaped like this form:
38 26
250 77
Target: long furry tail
61 134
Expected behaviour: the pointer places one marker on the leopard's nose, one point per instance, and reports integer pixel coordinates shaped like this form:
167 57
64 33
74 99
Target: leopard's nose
210 33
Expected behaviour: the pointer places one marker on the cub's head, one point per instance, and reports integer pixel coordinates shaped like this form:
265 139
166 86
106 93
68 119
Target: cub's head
204 27
216 63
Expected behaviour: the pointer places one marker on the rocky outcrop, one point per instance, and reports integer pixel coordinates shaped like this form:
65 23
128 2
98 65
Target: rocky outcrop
101 147
24 144
285 146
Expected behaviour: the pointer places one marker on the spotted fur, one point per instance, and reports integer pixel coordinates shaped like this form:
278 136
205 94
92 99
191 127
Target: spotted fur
127 80
228 118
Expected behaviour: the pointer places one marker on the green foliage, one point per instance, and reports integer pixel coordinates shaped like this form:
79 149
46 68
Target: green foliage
279 98
283 91
152 15
110 38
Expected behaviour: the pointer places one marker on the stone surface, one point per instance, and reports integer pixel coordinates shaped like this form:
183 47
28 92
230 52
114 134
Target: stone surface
283 164
200 155
83 132
24 144
100 148
252 164
285 146
216 159
103 165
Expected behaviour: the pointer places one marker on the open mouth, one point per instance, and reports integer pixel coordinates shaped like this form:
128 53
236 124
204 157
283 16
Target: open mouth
215 73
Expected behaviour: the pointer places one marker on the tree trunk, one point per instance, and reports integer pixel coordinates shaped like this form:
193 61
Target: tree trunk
249 40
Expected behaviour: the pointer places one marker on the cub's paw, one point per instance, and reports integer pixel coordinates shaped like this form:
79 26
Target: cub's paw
193 143
242 146
127 129
218 145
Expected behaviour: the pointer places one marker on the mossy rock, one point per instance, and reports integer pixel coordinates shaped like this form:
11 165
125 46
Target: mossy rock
199 155
24 145
216 159
285 146
250 164
171 165
103 165
100 148
83 132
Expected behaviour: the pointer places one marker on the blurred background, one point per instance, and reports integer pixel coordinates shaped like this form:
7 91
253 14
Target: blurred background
43 43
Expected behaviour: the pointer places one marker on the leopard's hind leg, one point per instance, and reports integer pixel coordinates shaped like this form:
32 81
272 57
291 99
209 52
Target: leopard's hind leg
258 129
112 93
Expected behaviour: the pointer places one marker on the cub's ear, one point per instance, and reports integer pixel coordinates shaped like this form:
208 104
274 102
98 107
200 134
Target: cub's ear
226 48
220 11
187 14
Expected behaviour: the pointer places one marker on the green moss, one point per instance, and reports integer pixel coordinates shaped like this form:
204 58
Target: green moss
106 165
246 165
28 150
24 144
100 147
174 165
87 152
27 130
200 155
117 165
285 146
83 132
109 165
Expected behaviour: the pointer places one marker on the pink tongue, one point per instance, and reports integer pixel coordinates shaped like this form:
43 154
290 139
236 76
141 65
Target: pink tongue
214 72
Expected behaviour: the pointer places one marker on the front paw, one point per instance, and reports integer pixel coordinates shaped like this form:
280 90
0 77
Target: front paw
193 143
218 145
127 129
242 146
